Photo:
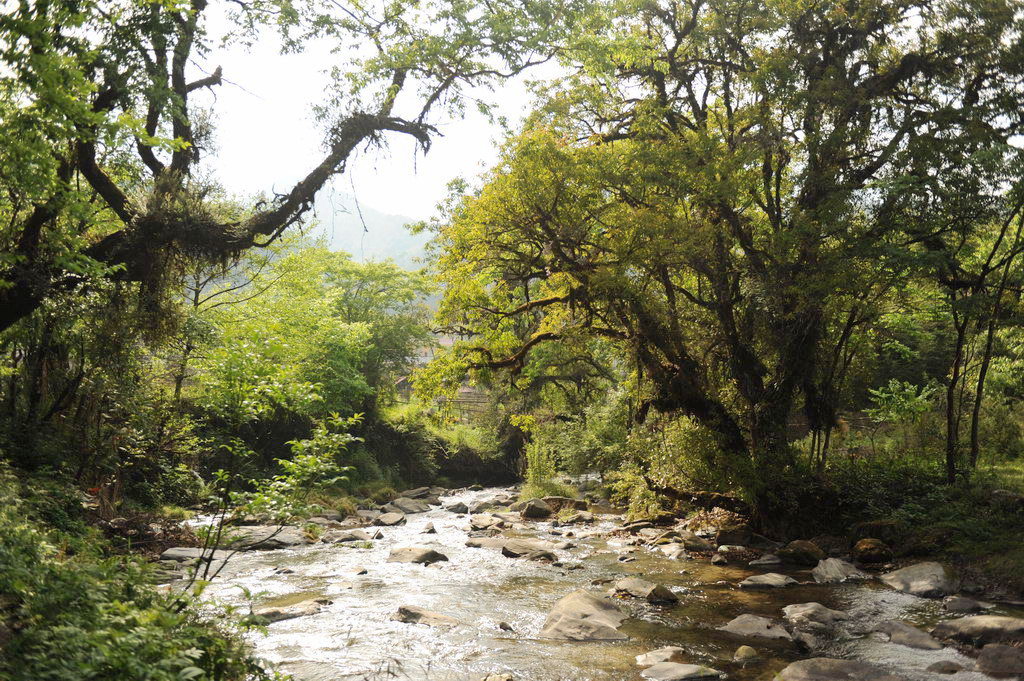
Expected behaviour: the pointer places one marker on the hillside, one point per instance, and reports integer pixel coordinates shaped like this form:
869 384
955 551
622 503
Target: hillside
367 233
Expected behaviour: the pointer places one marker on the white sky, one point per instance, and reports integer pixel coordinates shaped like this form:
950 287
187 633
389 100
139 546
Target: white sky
266 137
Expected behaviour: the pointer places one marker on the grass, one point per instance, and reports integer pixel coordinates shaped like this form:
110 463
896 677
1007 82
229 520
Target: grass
172 512
547 488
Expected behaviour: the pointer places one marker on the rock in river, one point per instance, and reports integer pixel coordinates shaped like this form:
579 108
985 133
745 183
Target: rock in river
812 616
962 605
870 550
769 580
928 580
674 671
267 537
753 625
404 505
183 554
270 614
341 536
582 616
457 507
666 654
640 588
535 509
827 669
416 554
410 614
514 548
766 559
390 519
904 634
692 542
835 571
981 629
997 658
801 552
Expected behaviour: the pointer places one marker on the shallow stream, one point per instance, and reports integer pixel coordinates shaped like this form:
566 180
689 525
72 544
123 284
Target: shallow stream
354 637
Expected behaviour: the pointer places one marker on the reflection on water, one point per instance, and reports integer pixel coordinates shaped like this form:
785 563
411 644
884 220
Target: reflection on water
354 636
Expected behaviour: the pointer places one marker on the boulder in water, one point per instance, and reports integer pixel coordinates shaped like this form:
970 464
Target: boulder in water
390 519
535 509
666 654
745 654
944 667
766 560
674 671
870 550
342 536
267 537
997 658
561 503
979 630
812 616
827 669
416 554
801 552
411 614
514 548
270 615
182 554
769 580
692 542
582 616
928 580
457 507
640 588
754 625
835 571
407 506
904 634
962 605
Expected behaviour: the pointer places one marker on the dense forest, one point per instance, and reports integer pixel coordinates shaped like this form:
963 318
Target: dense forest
751 267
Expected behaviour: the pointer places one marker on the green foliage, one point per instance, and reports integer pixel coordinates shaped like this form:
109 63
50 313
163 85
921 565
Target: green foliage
314 464
899 402
103 615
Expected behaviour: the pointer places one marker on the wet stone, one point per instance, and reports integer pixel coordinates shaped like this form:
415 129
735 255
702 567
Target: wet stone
674 671
835 571
416 554
390 519
905 634
828 669
978 630
944 667
754 625
640 588
770 580
928 580
666 654
997 658
766 559
582 616
411 614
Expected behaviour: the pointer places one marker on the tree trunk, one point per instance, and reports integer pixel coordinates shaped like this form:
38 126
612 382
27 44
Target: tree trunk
952 404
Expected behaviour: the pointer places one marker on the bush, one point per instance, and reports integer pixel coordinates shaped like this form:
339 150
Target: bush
86 618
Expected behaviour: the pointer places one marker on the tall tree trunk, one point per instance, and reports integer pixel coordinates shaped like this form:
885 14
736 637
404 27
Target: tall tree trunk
952 403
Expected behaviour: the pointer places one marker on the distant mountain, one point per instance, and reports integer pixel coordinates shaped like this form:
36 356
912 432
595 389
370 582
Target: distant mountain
366 233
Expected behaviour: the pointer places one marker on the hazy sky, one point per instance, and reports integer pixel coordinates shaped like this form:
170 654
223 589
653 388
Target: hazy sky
267 138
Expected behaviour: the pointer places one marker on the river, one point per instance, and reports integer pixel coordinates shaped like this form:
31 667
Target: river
355 637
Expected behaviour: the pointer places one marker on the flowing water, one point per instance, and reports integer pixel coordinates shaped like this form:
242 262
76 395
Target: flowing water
355 637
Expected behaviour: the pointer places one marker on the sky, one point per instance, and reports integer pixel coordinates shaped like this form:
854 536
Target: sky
266 137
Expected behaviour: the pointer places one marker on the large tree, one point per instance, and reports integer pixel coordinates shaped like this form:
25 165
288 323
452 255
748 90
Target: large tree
102 133
719 189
